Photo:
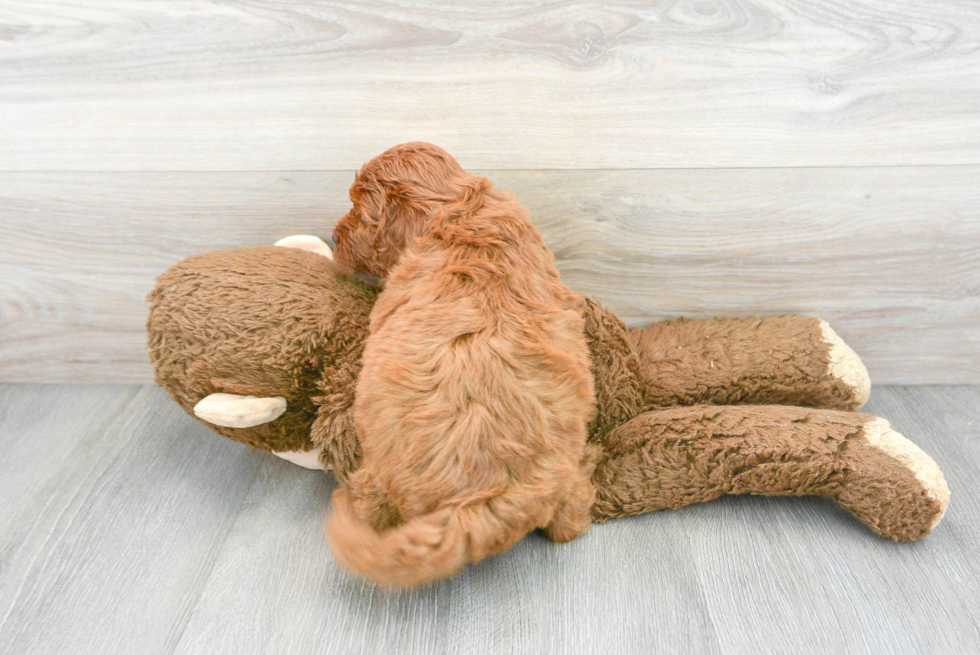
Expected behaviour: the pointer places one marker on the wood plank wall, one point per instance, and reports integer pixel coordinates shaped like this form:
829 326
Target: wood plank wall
696 158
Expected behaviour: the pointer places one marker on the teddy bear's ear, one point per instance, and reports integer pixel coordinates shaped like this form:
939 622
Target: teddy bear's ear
306 242
231 410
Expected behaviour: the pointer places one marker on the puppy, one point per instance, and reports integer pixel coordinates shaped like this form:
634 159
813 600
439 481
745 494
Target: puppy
475 393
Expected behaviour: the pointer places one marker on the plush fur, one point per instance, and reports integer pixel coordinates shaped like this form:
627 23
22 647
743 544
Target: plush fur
472 398
475 391
281 322
227 323
688 361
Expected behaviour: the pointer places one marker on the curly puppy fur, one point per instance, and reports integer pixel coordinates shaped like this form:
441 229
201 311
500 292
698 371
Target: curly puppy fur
475 393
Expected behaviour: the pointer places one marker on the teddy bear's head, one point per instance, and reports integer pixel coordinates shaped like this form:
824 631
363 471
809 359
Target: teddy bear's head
281 324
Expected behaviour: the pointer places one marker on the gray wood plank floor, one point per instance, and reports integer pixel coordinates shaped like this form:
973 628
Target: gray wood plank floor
125 527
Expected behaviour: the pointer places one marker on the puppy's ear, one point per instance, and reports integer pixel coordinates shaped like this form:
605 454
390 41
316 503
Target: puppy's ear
400 221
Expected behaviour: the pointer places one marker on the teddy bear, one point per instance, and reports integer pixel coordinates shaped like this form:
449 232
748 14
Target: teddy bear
262 345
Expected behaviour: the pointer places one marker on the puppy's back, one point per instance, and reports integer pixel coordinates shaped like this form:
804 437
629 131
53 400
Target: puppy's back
473 404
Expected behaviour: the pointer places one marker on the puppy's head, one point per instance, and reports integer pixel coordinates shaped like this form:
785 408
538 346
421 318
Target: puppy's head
397 197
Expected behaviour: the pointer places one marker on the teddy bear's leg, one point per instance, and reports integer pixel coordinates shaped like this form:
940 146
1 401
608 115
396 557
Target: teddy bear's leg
335 438
666 459
786 360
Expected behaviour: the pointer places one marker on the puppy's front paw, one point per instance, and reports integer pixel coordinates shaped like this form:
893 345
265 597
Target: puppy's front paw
306 242
846 366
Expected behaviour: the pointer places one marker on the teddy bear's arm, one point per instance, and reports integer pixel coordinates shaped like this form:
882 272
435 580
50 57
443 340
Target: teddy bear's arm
786 360
670 458
336 440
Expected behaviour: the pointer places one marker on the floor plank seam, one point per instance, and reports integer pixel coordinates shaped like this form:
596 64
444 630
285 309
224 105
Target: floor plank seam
109 414
213 557
702 592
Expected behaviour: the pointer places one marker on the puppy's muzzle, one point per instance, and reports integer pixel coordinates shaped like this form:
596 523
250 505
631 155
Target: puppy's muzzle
370 279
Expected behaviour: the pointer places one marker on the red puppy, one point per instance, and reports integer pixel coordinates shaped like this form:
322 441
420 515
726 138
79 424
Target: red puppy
475 392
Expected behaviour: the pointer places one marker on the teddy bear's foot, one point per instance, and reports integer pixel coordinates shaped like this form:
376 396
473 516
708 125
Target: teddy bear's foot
670 458
306 242
845 365
891 484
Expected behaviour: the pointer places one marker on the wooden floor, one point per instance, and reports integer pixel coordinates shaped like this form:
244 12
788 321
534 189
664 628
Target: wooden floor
126 527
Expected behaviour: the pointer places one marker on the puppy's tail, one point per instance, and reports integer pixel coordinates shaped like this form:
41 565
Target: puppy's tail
422 550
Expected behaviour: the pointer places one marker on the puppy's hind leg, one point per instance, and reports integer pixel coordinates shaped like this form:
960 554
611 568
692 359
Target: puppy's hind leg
573 515
370 503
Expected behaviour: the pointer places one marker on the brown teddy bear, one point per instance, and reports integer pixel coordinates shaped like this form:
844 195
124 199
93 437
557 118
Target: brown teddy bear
263 345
